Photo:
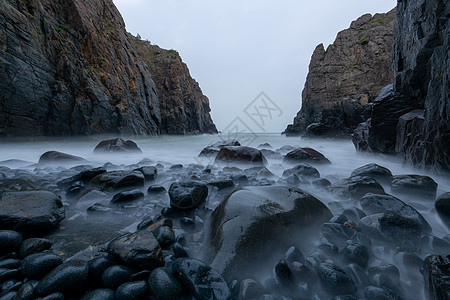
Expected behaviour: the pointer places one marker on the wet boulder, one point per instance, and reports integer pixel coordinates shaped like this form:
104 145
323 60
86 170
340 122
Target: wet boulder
149 172
164 285
355 252
187 195
355 187
34 211
116 275
442 206
240 154
18 185
214 149
36 266
415 185
377 172
200 279
103 293
117 145
379 292
84 176
436 273
302 170
305 155
51 157
334 280
132 290
139 249
127 196
373 204
400 232
66 278
253 227
115 180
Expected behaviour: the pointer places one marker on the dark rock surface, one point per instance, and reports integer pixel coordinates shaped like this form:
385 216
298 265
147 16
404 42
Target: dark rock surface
36 266
10 241
308 155
164 285
215 148
30 211
377 172
418 105
356 186
334 279
117 145
259 215
436 271
58 157
187 195
115 180
345 77
71 68
240 154
442 206
417 185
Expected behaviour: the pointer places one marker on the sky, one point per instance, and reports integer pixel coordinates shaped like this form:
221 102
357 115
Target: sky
250 57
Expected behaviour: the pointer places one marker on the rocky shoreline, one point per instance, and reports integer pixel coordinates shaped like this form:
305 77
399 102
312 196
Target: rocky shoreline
231 229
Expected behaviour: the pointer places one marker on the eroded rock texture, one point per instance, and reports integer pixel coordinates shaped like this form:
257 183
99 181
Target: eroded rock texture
345 77
70 67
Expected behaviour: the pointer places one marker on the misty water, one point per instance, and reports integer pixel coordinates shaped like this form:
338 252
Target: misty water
80 230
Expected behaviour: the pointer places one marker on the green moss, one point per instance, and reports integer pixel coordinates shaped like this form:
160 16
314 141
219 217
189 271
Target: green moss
380 20
364 41
61 27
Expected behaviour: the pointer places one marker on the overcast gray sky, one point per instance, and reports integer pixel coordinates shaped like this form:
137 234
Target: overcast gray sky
238 49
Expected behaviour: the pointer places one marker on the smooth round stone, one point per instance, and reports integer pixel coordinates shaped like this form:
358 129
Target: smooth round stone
54 296
321 182
375 171
97 266
156 190
10 286
67 277
6 274
114 276
415 185
442 206
187 195
9 296
127 196
345 297
164 285
34 245
200 279
10 263
10 241
165 236
179 251
139 276
302 170
25 292
36 266
99 294
132 290
334 279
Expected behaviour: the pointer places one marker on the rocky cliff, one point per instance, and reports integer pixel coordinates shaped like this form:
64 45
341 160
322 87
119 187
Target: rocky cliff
69 67
346 76
418 102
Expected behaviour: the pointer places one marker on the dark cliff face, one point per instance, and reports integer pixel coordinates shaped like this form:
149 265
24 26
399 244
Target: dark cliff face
419 102
69 67
355 68
181 99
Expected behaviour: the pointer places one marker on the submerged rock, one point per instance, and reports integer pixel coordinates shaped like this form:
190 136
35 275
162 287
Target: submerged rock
253 227
307 155
240 154
30 211
214 149
302 170
377 172
117 145
58 157
355 187
115 180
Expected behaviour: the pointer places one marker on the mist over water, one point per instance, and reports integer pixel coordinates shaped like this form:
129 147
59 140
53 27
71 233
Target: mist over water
23 154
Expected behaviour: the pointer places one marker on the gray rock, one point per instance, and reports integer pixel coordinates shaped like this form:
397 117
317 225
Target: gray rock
139 249
334 280
164 285
302 170
132 290
259 215
117 145
240 154
10 241
99 294
149 172
377 172
214 149
355 187
36 266
187 195
115 180
127 196
305 155
416 185
379 292
31 211
50 157
115 276
34 245
436 273
373 203
442 206
201 280
67 277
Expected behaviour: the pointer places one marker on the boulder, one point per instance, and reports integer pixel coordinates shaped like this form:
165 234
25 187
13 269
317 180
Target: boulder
442 206
10 241
355 187
139 249
84 176
334 280
254 226
115 180
164 285
214 149
187 195
51 157
18 185
127 196
373 204
66 278
200 279
240 154
104 294
149 172
360 137
380 292
302 170
400 232
30 211
117 145
436 271
36 266
377 172
132 290
415 185
307 155
116 275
